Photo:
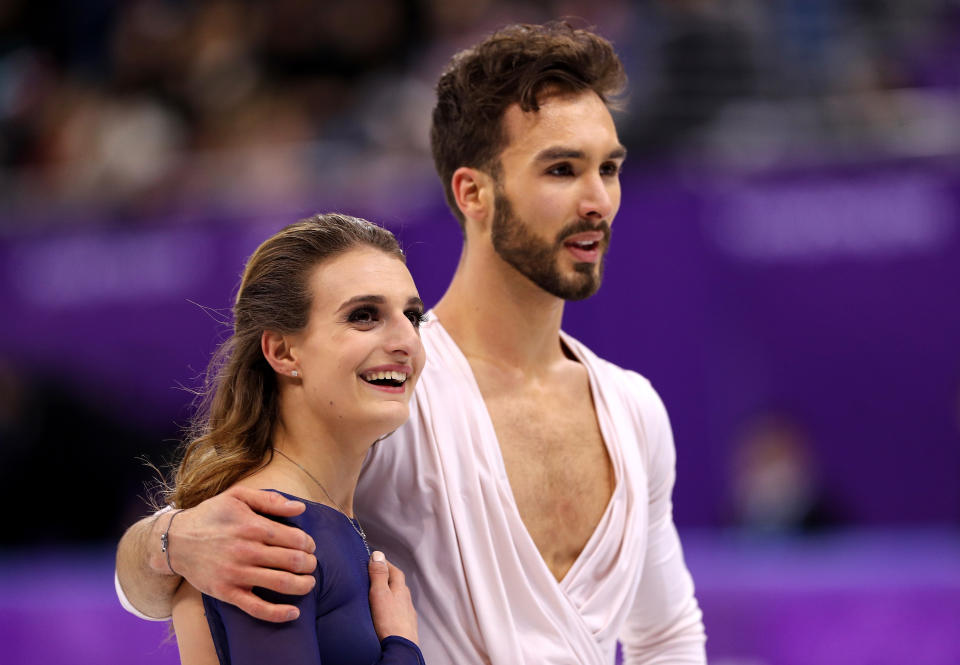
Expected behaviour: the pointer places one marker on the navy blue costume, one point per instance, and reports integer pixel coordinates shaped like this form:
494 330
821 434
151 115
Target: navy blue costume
334 627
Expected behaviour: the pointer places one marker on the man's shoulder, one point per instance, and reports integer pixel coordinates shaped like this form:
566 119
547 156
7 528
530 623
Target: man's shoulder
436 341
607 369
446 368
631 389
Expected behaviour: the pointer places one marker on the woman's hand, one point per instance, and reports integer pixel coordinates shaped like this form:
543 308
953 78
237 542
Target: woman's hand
390 603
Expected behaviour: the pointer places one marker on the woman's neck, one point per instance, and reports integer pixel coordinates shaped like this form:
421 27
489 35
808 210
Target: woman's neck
322 469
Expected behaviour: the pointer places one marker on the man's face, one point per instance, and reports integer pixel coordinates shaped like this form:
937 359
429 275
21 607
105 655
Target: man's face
557 193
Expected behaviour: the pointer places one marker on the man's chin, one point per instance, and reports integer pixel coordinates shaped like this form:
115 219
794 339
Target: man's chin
574 290
582 294
585 284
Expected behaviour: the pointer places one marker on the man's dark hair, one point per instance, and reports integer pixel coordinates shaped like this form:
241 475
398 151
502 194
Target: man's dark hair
514 65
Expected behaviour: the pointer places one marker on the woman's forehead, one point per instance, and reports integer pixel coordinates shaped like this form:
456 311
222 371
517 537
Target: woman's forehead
361 271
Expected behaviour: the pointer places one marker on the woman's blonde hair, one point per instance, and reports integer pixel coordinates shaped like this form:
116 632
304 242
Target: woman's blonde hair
230 434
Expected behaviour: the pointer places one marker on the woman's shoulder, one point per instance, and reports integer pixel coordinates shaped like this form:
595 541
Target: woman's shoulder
274 478
319 519
317 515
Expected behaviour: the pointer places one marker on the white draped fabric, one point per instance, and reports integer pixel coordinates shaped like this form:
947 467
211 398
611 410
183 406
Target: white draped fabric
436 498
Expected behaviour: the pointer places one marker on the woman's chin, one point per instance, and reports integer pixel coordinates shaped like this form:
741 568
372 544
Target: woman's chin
391 419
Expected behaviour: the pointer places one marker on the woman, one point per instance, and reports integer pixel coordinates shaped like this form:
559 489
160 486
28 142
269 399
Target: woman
322 362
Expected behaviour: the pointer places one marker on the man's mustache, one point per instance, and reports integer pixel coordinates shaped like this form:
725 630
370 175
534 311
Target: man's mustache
581 226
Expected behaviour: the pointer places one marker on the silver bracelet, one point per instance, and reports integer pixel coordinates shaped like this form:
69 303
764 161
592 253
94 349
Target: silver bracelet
165 541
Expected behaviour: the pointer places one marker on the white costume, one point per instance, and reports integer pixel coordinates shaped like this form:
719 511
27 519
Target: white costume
435 496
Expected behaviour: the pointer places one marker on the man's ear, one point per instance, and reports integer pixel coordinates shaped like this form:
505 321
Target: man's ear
473 191
279 353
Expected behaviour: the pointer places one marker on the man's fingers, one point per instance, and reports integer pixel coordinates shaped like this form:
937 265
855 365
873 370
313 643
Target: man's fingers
240 594
251 553
282 559
280 581
265 501
259 608
265 530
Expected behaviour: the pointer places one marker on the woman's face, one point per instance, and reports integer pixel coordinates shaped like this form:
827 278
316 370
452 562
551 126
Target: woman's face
360 355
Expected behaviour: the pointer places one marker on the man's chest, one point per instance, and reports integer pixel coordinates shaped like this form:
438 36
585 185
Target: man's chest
557 463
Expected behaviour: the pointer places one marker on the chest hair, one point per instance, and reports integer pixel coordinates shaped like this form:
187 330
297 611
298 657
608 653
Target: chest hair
555 459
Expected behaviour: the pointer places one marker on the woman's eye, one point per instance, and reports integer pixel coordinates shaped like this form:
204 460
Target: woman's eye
417 318
363 315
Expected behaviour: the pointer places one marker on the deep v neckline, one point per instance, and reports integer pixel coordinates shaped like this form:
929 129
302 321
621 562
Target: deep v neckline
605 434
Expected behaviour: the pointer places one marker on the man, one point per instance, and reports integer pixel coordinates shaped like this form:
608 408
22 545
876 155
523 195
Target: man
528 497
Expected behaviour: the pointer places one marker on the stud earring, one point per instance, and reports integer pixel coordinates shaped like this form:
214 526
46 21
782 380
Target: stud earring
294 373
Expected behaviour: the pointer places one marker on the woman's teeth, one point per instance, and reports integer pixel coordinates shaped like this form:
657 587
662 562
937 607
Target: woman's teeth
392 377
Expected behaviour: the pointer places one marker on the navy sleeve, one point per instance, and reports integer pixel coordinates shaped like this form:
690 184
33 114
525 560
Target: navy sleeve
401 651
334 625
244 640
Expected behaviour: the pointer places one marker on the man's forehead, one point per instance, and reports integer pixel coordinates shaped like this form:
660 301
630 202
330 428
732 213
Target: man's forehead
566 123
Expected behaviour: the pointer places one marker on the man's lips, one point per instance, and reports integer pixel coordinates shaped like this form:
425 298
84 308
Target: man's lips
586 246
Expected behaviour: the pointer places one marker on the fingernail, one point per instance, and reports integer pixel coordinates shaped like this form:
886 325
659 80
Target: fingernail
378 556
293 614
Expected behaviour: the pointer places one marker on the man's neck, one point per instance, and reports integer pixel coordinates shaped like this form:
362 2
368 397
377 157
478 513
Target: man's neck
497 315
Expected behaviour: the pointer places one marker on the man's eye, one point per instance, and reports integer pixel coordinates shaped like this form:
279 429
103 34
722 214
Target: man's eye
560 169
610 169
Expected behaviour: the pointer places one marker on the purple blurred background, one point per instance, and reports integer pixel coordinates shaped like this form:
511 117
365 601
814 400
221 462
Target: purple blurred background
785 269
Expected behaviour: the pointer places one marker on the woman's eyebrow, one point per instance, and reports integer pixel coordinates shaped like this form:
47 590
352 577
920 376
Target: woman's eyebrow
366 299
370 299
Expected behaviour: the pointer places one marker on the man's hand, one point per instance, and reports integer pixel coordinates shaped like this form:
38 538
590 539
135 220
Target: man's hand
224 548
390 602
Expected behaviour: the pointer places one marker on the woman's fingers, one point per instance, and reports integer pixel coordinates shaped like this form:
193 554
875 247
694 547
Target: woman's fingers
397 578
379 572
390 604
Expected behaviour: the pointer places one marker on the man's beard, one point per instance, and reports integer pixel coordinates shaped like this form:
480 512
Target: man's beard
537 259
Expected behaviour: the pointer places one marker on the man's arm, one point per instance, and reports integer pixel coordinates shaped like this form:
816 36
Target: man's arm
665 624
223 547
149 592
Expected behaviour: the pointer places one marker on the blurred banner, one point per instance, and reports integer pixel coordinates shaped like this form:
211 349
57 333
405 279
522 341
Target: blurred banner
785 269
802 328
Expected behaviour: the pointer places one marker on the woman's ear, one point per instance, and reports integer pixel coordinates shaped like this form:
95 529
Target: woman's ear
473 190
278 351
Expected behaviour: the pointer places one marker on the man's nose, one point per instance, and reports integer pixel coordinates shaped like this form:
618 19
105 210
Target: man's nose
597 199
